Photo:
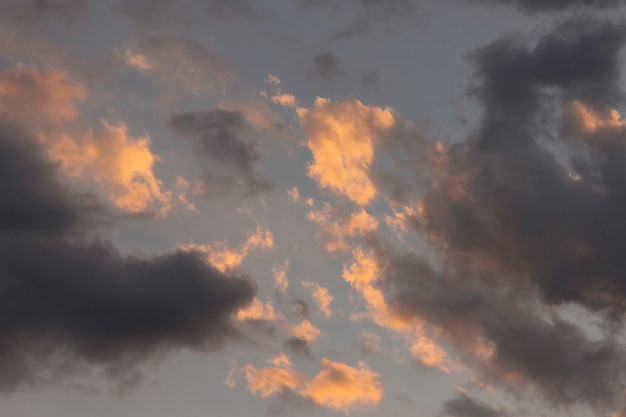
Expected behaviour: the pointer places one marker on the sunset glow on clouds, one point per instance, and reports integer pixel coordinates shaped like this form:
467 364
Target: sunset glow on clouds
312 208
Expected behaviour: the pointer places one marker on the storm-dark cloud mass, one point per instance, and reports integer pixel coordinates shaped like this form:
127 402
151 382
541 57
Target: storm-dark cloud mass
67 299
524 216
223 139
508 217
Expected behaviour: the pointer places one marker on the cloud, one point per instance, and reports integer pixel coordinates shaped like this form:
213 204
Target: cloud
305 330
321 296
341 139
121 167
504 342
72 303
338 387
223 138
39 99
327 67
281 283
223 257
335 227
184 64
370 343
466 406
259 311
538 6
299 347
341 387
504 200
271 380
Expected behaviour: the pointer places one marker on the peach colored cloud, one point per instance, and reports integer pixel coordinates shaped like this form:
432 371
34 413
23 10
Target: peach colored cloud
341 137
39 99
362 274
338 387
321 296
119 166
334 232
341 387
281 283
223 257
305 330
259 311
270 380
597 125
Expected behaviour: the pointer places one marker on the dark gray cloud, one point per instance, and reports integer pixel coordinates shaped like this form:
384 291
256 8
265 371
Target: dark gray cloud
508 219
223 140
536 6
547 355
521 217
301 309
466 406
299 347
68 301
326 67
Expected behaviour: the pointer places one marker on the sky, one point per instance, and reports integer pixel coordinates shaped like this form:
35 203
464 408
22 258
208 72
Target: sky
312 208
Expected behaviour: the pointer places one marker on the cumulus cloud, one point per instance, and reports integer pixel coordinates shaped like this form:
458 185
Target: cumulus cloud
341 139
182 63
518 228
82 305
338 387
224 141
122 166
506 200
119 166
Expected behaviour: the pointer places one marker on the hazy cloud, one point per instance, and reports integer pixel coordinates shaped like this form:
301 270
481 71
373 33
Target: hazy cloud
224 139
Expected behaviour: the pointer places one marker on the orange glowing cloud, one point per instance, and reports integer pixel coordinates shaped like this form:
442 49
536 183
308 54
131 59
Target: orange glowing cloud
259 311
305 331
39 99
223 257
597 126
340 387
270 380
341 137
120 165
334 232
280 278
321 296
